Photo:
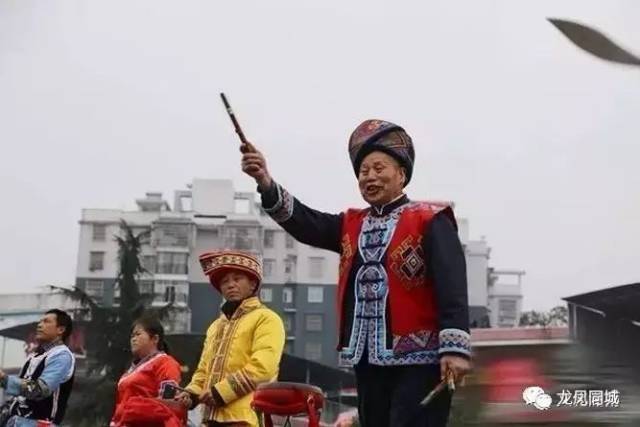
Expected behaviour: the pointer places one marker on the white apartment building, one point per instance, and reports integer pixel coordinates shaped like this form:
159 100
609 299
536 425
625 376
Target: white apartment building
505 297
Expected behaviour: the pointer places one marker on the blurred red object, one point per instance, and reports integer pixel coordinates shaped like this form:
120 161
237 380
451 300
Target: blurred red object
288 399
507 379
150 412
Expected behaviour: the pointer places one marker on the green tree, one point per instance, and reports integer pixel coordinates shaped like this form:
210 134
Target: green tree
557 316
533 318
107 331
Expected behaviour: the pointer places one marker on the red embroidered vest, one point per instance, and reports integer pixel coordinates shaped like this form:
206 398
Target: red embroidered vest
410 298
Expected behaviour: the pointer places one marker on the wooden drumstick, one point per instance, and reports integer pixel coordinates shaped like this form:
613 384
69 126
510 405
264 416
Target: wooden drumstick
232 116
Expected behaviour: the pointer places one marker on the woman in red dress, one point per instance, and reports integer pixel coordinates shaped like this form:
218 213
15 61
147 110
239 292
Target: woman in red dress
139 389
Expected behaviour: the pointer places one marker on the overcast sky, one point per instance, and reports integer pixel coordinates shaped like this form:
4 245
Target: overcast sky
534 140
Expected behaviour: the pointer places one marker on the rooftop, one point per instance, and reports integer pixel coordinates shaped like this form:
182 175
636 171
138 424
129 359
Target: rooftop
619 301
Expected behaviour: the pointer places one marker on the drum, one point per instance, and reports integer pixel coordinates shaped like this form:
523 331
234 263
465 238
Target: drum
288 399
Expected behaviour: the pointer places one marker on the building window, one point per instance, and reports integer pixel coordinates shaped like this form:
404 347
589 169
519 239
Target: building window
507 311
289 321
175 291
149 263
313 322
268 266
266 294
313 351
287 295
99 232
146 287
289 242
289 268
507 306
243 238
170 294
94 288
96 261
269 237
171 235
172 263
315 294
316 267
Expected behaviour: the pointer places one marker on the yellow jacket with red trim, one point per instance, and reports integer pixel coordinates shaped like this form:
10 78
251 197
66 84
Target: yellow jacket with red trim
239 354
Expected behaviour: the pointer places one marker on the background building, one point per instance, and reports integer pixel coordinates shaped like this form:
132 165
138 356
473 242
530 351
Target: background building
505 297
299 281
495 295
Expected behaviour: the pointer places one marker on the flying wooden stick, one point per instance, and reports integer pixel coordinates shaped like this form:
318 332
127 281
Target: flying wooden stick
594 42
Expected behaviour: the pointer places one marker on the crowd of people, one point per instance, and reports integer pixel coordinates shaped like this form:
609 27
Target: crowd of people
402 312
242 349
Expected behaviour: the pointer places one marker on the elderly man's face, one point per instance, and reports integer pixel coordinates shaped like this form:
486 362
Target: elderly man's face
381 178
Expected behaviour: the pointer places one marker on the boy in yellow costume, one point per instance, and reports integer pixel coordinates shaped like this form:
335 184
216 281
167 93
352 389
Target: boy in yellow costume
243 346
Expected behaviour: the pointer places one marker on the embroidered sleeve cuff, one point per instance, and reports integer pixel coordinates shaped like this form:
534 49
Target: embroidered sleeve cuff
235 386
282 210
455 341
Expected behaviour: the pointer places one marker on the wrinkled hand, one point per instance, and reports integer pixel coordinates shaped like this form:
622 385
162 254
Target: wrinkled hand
459 366
255 165
184 399
207 399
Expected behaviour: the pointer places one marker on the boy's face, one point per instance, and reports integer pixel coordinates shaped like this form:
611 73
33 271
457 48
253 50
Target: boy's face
236 286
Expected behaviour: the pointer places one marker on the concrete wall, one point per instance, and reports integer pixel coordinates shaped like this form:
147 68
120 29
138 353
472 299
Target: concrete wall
477 257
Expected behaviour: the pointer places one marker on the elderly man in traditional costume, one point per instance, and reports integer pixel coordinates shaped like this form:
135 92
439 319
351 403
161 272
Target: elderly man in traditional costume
243 346
402 288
